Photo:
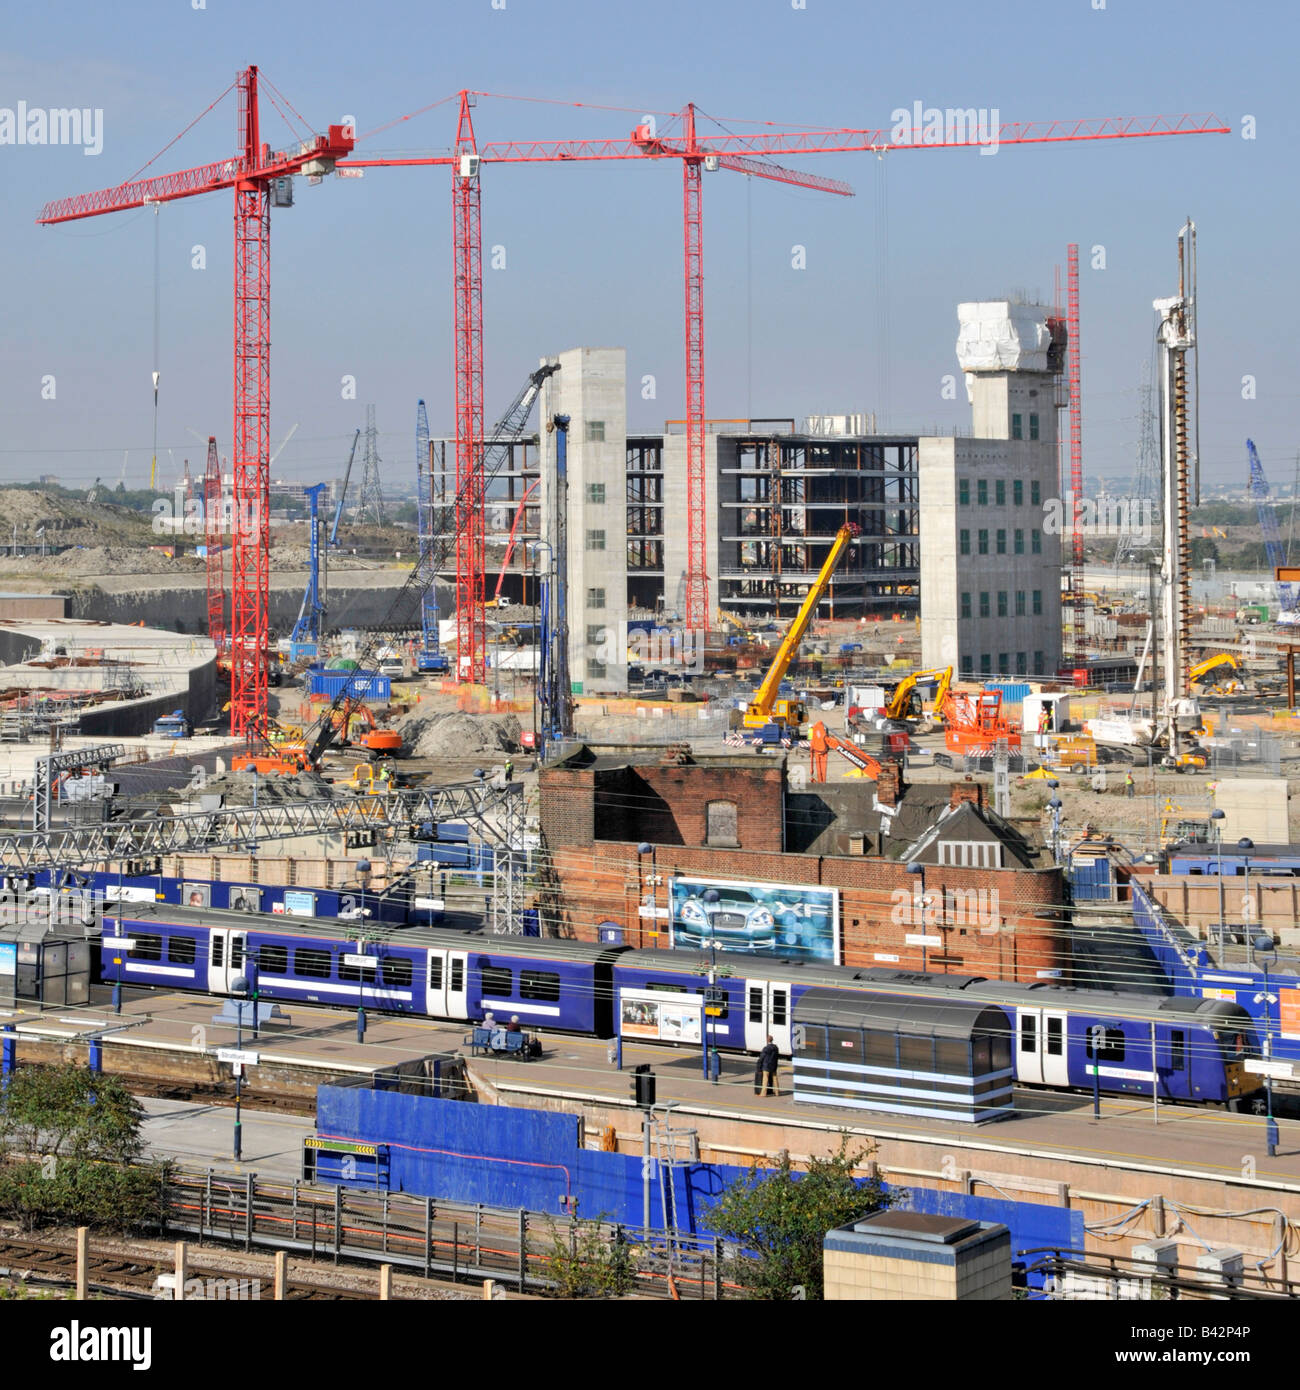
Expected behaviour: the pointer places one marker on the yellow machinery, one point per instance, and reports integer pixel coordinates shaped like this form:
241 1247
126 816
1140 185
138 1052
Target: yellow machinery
1197 675
900 702
777 719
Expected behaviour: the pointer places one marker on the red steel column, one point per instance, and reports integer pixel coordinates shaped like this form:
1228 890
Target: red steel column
697 581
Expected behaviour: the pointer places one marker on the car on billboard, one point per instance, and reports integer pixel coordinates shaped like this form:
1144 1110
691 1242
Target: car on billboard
737 921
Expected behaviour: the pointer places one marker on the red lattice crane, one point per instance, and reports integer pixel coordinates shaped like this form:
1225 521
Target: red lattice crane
215 563
742 153
1074 368
250 174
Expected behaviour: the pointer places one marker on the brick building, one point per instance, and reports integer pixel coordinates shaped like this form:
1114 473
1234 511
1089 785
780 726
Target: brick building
982 889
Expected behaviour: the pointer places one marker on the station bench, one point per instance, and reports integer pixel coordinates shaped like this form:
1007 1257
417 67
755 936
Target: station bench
496 1042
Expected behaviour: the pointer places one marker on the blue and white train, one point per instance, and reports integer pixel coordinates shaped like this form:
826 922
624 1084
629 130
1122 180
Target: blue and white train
1201 1046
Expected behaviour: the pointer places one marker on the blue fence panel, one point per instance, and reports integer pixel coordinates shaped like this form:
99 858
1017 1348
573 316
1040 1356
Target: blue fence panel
1091 877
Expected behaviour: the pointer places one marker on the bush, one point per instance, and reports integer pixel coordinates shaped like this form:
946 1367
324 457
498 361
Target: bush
70 1112
584 1262
781 1217
76 1192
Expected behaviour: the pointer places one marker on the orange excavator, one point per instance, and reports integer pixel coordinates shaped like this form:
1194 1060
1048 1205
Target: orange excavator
821 742
379 743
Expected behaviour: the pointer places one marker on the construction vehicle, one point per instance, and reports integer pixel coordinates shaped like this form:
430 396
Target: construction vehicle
173 725
1223 684
821 742
777 719
1253 613
379 743
304 640
900 704
975 724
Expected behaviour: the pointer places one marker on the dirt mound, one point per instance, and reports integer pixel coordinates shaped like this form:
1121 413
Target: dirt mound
429 734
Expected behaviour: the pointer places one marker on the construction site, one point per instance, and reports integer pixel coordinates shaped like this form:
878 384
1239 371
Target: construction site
588 772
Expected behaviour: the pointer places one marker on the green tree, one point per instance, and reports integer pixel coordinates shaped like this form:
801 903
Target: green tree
781 1217
70 1112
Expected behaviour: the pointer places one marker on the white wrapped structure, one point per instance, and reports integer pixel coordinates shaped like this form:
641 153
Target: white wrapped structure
998 336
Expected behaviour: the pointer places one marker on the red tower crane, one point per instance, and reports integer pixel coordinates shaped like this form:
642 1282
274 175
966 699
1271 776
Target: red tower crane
250 174
212 529
746 154
1076 452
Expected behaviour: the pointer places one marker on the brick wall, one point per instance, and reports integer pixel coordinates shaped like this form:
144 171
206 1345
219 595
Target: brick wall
989 918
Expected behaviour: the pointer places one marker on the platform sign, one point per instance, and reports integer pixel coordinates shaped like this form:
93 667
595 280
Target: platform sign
916 939
1262 1066
237 1057
648 1014
8 958
361 962
299 903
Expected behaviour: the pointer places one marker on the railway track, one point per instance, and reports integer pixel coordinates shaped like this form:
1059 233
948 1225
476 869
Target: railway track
51 1263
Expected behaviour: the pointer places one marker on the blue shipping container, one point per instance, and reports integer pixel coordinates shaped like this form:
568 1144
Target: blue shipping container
1013 692
360 685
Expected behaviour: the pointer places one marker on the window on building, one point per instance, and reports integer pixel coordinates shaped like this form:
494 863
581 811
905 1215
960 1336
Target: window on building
595 492
596 670
1038 663
984 542
596 635
595 598
982 492
1002 541
313 965
965 605
1037 598
1020 603
1002 603
1035 493
720 822
1035 542
970 854
1033 426
1004 663
1017 429
984 603
986 664
963 542
1000 492
1022 664
498 981
273 960
1018 541
1018 492
595 431
963 492
595 540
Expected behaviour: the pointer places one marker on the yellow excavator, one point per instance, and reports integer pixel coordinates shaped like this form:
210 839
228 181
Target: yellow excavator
1224 684
776 719
900 702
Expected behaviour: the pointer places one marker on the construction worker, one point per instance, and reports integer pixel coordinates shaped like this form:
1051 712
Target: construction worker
1128 783
510 770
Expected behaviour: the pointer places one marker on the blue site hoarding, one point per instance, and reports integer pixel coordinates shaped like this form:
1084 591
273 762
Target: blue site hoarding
793 921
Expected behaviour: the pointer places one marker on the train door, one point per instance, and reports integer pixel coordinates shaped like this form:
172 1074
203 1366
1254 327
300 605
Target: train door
1029 1047
1056 1070
225 958
457 984
767 1011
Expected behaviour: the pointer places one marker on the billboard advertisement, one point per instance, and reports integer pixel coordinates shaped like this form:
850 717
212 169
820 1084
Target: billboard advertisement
648 1014
756 919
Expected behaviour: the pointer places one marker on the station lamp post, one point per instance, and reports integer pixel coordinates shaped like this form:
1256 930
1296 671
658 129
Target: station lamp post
239 987
1245 845
1216 821
710 897
1265 949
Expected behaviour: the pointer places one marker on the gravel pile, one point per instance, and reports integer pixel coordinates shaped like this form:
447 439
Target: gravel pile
428 734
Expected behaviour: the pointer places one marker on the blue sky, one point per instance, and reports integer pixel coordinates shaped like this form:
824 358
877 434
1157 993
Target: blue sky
361 268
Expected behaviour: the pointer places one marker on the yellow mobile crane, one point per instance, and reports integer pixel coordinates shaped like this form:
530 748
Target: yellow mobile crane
777 719
1223 683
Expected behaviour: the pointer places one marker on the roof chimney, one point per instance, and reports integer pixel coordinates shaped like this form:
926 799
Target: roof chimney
967 791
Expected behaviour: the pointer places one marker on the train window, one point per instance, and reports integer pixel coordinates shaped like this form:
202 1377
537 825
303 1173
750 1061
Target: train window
497 981
1177 1049
352 972
952 1056
218 949
665 988
755 1005
273 959
539 984
181 950
779 1017
916 1054
882 1050
435 972
236 952
312 965
1028 1033
457 975
148 948
397 971
1055 1037
1112 1047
